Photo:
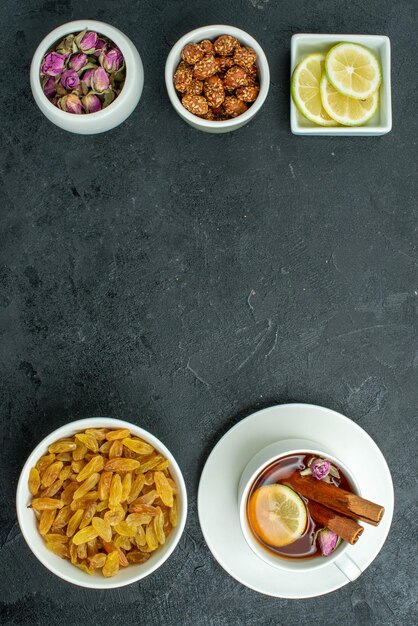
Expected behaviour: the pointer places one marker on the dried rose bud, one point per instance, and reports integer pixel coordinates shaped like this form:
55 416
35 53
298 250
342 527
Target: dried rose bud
71 104
70 79
88 42
65 47
327 541
320 468
87 77
100 80
78 61
91 103
100 47
112 60
49 87
53 64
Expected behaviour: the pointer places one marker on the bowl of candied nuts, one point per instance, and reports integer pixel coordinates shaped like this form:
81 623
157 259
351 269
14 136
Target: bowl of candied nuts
217 78
101 503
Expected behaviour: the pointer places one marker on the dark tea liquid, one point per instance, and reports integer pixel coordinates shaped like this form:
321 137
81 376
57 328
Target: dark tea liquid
278 472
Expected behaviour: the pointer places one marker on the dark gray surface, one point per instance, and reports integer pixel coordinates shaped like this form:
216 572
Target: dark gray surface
181 280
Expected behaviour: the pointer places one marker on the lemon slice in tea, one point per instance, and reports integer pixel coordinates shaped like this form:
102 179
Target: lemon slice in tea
353 70
345 110
277 515
305 89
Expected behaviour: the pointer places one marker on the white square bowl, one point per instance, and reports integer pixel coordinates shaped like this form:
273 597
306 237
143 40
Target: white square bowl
381 123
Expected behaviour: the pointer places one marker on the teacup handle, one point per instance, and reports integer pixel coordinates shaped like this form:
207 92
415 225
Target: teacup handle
348 567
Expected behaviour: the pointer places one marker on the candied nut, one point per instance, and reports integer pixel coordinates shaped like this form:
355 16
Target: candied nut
192 53
225 45
234 107
195 87
209 115
198 105
235 77
214 91
183 76
207 46
246 57
247 93
224 63
205 68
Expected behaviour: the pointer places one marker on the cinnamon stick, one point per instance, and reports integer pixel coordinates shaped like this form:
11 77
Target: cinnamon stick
345 527
338 499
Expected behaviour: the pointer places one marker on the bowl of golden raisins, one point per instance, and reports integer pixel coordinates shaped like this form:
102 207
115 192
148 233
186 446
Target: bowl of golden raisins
101 502
217 78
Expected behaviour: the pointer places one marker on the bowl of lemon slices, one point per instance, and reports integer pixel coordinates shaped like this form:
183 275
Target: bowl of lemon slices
340 85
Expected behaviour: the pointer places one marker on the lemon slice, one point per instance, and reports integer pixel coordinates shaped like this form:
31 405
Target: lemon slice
353 70
305 89
345 110
277 515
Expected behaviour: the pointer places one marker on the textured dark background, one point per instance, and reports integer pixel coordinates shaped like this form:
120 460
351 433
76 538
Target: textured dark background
182 280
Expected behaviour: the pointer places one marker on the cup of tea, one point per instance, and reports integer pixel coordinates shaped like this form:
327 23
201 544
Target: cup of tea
285 528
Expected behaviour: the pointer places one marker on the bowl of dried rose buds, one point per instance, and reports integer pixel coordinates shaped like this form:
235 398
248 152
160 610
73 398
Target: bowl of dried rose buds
101 503
86 77
217 78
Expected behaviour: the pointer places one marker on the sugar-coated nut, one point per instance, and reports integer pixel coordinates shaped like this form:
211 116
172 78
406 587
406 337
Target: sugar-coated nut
246 57
224 63
235 77
234 107
252 73
205 67
209 115
225 44
247 93
183 76
195 87
192 53
214 91
197 105
207 46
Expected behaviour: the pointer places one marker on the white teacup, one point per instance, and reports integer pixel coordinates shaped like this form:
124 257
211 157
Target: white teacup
341 556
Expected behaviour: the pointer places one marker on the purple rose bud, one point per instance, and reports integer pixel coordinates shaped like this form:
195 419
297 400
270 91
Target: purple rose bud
69 79
100 47
111 60
49 87
72 104
100 80
87 77
53 64
91 103
327 541
78 61
320 468
88 42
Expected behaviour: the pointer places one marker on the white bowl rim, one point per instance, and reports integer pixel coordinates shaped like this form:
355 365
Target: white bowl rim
102 28
76 426
207 31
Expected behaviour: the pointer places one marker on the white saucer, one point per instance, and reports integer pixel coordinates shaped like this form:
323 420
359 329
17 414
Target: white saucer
218 494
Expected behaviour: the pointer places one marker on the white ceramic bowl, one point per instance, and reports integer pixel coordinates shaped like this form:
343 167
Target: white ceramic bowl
212 32
63 568
341 556
121 107
381 122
